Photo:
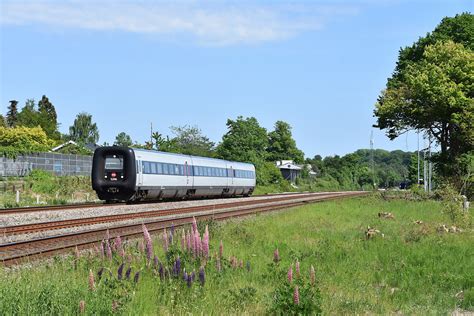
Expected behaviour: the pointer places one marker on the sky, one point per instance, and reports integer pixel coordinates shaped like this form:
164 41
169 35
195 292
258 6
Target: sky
318 65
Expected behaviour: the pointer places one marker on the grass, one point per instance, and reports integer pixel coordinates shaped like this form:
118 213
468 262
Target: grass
413 269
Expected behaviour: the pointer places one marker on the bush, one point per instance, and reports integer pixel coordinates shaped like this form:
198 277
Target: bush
452 203
267 173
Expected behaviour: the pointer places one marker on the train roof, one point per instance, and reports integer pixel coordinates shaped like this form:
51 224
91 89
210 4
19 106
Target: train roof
183 155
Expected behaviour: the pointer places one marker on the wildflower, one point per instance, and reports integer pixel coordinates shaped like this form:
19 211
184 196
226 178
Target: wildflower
194 225
193 276
188 241
189 280
120 271
297 268
276 256
96 250
108 250
290 274
161 271
99 273
141 246
91 281
107 235
128 272
202 276
221 249
205 242
148 242
119 246
101 249
178 265
296 296
155 262
137 276
185 275
82 307
183 240
312 275
248 266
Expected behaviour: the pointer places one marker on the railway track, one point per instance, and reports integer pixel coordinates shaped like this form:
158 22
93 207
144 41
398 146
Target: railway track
16 252
79 206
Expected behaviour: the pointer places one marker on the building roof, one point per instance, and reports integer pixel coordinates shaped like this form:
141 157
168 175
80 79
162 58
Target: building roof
289 166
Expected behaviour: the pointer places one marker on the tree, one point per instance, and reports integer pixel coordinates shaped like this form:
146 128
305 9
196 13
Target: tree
282 146
245 140
83 130
123 139
190 140
3 122
434 95
20 140
29 116
12 115
48 118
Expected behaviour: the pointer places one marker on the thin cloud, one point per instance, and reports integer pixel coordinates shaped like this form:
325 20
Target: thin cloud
209 23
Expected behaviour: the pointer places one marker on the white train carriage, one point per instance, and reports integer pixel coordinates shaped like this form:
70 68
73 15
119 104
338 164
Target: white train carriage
126 174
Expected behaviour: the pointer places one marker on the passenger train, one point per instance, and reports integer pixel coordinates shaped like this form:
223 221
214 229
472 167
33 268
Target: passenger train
129 174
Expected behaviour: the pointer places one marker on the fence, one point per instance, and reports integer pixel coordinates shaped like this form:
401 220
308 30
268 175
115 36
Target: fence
59 164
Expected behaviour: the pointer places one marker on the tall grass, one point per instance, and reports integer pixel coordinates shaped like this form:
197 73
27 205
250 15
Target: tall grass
411 269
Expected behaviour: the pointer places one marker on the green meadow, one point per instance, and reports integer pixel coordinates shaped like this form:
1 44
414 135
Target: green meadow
407 267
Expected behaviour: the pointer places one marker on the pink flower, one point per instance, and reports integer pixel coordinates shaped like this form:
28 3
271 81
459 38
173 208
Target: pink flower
82 307
188 241
205 243
195 226
119 246
91 281
296 296
101 249
276 256
221 249
183 241
148 243
297 268
107 234
312 275
290 274
108 250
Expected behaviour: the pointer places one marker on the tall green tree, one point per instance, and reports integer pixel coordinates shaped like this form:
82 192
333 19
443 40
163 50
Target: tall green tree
123 139
48 118
245 140
432 90
29 115
83 130
191 141
282 146
12 114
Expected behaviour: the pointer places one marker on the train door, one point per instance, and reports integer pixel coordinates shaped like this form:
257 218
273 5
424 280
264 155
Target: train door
139 173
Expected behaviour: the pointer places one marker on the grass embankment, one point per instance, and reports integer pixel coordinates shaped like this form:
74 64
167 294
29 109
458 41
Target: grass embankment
412 269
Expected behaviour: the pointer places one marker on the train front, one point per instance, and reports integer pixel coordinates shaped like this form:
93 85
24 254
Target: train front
114 173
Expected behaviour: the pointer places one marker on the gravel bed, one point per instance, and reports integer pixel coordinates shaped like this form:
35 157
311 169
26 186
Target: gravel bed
95 211
23 237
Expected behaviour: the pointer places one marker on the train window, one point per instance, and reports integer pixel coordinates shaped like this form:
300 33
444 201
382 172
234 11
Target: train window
153 168
165 168
181 170
176 170
159 168
146 167
113 162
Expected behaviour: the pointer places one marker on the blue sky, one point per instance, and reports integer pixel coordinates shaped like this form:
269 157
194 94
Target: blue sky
318 65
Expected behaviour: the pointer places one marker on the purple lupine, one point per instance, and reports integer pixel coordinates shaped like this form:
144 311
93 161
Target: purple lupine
101 249
171 233
221 249
155 262
183 241
195 226
119 246
161 271
91 281
148 242
202 276
120 271
297 268
178 265
290 274
108 250
107 235
189 280
276 256
296 296
185 275
99 273
193 275
136 277
82 307
128 272
312 275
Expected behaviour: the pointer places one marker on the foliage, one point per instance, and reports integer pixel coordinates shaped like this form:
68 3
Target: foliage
83 130
187 140
245 141
432 90
20 140
123 139
3 122
452 203
45 117
267 173
282 146
12 114
72 149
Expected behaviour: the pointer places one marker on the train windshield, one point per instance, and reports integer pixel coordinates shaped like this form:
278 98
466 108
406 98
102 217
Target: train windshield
114 162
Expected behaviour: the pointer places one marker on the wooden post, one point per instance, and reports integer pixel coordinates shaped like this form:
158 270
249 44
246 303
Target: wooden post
17 196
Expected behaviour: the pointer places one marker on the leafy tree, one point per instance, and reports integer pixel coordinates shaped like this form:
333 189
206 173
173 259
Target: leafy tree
19 140
12 115
83 130
123 139
29 116
190 140
48 118
3 122
245 140
282 146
